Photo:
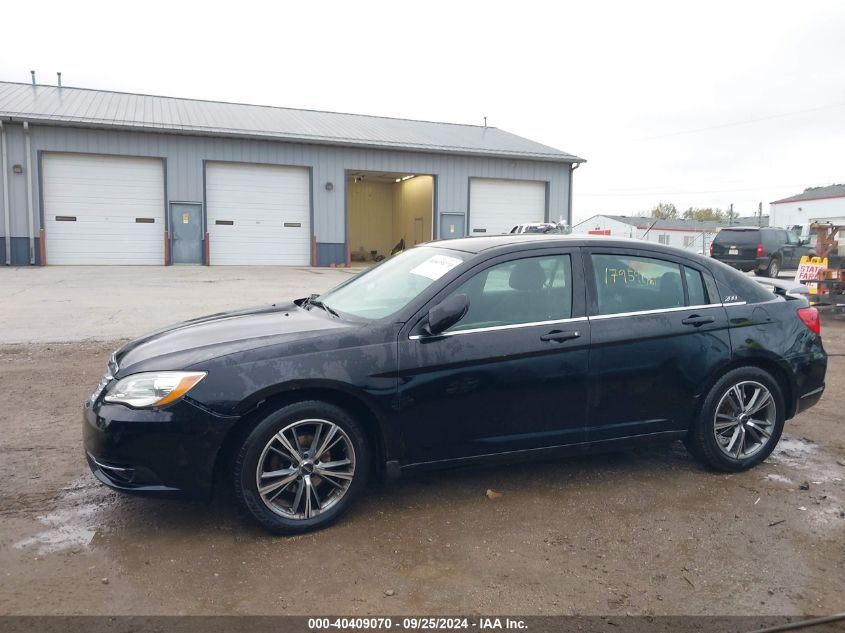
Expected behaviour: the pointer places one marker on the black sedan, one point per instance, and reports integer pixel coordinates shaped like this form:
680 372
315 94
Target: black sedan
459 351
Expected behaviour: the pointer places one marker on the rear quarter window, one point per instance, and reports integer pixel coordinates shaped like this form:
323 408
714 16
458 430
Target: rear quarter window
735 286
695 287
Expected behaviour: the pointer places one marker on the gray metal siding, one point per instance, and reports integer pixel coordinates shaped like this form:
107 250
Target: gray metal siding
16 147
184 156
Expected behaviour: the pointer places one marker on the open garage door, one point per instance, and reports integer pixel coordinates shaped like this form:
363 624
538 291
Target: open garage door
496 206
103 209
258 214
386 208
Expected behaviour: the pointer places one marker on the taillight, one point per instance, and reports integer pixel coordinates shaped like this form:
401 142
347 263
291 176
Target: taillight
810 317
711 249
760 252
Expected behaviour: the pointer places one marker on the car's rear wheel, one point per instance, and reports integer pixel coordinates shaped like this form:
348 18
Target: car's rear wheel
774 268
301 467
741 420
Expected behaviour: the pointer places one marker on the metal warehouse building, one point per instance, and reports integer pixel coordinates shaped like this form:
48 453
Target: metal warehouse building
94 177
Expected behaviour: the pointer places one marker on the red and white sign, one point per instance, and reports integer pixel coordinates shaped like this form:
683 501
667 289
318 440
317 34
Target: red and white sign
809 271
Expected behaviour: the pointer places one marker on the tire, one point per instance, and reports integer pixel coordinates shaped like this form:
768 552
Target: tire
301 492
716 440
773 268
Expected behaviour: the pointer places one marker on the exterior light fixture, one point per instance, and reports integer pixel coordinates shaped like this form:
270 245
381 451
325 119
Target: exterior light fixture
18 169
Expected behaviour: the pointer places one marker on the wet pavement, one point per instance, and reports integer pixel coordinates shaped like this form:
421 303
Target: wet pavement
644 532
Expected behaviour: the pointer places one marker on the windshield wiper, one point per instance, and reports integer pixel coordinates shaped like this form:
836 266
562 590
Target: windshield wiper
314 301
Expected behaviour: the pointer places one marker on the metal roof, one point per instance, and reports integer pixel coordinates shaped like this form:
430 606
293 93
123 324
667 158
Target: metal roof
99 108
817 193
644 222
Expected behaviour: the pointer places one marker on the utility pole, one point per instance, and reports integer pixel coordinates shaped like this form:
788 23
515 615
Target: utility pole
731 214
760 213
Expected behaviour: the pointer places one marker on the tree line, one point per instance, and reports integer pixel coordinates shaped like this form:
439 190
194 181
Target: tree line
668 211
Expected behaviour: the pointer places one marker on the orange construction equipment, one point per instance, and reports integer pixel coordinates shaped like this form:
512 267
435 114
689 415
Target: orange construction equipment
826 238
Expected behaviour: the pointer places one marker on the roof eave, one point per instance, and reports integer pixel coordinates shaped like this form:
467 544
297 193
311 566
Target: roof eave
289 138
798 199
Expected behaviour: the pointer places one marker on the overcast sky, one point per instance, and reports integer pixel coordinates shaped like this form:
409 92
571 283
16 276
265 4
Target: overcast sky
695 103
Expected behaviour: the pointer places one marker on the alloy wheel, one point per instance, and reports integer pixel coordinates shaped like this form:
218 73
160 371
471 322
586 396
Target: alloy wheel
745 419
305 469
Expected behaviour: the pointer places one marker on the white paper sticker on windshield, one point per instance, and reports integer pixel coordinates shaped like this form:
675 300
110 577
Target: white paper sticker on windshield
435 267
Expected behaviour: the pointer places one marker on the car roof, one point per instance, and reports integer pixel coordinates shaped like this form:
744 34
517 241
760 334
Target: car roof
514 240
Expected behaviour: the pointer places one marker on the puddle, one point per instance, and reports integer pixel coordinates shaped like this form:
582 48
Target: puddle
72 523
779 478
807 457
819 505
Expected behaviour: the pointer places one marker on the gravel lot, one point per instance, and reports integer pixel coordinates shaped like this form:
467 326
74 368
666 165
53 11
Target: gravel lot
645 532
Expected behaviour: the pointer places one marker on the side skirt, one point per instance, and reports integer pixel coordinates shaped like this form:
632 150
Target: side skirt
549 452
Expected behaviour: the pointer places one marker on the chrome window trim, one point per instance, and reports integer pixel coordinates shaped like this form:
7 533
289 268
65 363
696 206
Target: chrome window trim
657 311
494 328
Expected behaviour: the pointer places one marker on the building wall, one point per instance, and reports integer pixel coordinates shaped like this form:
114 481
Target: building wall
185 157
604 223
18 222
371 216
412 200
788 214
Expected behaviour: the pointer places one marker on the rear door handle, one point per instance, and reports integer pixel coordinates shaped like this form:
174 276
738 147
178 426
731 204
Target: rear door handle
560 336
697 320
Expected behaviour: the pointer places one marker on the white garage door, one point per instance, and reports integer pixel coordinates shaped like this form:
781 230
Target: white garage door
496 206
103 209
258 214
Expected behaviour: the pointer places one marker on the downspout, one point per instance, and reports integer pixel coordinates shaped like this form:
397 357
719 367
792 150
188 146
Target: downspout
572 168
7 211
30 210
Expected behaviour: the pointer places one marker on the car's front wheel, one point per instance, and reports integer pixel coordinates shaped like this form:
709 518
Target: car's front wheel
741 420
301 467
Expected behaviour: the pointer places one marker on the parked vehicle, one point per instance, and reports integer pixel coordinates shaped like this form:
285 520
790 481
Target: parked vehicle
460 351
537 227
765 250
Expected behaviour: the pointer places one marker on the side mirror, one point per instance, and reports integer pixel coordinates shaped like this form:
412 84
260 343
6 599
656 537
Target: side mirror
446 313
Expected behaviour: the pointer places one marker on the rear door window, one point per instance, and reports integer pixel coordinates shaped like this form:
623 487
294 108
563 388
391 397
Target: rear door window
628 283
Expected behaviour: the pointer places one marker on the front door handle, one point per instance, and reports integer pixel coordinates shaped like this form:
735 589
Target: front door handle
560 336
697 320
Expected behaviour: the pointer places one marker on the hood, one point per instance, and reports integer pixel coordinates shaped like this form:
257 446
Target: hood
185 344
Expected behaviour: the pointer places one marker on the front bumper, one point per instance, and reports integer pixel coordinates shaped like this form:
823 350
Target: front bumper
156 452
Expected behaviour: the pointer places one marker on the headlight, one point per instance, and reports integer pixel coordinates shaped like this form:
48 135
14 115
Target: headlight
154 389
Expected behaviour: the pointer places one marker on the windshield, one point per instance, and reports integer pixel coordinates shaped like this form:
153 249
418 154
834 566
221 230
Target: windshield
393 284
